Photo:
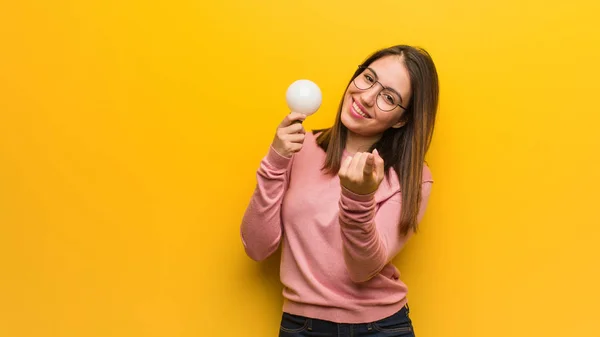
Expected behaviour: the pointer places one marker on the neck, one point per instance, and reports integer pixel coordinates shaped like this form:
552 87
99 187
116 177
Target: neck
358 143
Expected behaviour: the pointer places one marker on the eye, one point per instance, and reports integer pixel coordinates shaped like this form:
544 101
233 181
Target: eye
369 78
389 98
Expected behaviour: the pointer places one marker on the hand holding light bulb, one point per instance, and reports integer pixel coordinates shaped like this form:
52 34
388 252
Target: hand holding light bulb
304 98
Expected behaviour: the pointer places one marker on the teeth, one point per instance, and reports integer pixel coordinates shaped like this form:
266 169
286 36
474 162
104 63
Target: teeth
358 110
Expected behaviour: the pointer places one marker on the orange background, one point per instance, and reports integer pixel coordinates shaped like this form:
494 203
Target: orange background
130 133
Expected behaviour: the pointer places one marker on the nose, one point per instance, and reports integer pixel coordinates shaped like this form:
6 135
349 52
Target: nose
369 96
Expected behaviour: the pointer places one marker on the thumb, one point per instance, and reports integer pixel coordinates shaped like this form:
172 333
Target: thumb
379 164
369 165
291 118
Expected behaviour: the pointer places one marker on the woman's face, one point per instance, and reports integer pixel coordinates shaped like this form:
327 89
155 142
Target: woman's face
372 103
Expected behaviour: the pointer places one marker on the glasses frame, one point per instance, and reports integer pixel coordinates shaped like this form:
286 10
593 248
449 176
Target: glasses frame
363 68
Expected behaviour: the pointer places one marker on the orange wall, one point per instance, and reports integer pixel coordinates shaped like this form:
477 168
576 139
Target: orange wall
130 133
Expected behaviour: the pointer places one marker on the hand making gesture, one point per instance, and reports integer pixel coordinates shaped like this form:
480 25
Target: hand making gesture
362 173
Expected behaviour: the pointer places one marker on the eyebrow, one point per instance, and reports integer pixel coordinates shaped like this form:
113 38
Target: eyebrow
392 89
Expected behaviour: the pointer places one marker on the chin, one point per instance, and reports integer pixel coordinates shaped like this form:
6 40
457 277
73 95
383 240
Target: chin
351 124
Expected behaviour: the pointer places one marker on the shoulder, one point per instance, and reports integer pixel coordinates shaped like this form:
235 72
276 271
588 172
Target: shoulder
312 136
310 141
394 181
310 145
427 175
391 183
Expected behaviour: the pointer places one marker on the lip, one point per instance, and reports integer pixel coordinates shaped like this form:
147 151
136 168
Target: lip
362 109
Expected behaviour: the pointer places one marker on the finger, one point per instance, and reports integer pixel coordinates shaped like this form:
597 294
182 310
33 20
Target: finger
294 137
293 128
300 119
345 166
360 167
357 163
369 164
296 117
295 147
291 118
379 163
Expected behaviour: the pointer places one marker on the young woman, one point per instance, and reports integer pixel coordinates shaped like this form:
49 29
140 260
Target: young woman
343 201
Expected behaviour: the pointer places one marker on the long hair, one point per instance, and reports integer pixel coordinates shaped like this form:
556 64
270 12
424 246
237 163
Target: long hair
402 148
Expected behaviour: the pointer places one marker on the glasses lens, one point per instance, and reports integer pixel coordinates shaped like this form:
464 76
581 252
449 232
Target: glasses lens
387 100
365 80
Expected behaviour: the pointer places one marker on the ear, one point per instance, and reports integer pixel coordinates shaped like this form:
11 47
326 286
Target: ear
403 120
398 125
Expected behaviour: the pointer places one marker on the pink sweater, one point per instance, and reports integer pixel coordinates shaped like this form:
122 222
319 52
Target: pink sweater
336 245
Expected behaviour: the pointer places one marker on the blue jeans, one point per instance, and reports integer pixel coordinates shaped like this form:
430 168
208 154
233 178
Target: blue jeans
398 325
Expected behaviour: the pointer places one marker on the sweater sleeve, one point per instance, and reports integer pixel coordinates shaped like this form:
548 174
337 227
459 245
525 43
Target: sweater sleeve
372 238
261 228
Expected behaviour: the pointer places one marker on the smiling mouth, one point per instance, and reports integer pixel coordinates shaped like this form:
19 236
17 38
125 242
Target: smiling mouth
358 110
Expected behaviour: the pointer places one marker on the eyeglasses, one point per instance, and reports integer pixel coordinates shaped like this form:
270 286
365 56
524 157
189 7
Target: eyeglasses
387 99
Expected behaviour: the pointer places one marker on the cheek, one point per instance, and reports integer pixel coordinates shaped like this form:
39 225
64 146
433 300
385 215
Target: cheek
351 91
389 119
347 97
